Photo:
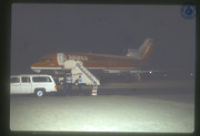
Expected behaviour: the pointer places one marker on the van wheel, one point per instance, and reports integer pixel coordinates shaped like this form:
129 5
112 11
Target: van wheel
39 93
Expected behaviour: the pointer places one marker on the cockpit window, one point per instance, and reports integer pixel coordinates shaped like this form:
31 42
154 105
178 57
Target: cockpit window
47 59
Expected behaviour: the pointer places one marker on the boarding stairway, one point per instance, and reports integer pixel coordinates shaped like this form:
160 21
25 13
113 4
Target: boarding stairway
77 69
94 80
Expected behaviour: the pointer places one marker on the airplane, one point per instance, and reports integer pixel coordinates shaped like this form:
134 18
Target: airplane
132 63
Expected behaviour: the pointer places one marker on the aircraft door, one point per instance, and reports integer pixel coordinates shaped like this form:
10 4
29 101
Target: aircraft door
61 58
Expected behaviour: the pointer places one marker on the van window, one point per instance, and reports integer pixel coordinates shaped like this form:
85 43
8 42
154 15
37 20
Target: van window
14 80
25 79
41 79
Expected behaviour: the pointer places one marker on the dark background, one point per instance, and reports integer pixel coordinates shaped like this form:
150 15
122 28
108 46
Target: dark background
41 29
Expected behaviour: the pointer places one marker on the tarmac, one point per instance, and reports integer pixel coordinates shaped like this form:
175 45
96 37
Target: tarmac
165 106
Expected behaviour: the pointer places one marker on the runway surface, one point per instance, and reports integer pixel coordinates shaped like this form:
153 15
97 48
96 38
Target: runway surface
165 106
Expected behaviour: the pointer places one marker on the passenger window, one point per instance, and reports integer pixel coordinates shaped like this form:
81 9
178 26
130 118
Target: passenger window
14 80
41 79
25 79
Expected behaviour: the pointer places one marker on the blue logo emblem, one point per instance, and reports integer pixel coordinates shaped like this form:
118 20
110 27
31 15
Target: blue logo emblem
188 10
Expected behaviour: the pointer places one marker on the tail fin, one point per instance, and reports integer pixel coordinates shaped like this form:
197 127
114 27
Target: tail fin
143 53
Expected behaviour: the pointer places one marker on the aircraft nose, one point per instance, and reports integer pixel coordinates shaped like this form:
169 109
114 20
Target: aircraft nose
35 67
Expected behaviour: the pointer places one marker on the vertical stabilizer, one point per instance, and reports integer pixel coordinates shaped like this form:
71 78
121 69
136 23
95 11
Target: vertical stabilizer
143 53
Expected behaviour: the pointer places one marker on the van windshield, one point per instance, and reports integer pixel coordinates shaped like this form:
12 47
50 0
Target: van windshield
41 79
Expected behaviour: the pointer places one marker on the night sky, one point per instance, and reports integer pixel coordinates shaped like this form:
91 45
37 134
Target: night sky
41 29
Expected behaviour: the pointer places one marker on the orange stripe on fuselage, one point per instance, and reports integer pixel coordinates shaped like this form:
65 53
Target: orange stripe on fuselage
52 63
90 60
98 60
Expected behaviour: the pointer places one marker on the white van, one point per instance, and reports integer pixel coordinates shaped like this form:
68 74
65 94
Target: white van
27 84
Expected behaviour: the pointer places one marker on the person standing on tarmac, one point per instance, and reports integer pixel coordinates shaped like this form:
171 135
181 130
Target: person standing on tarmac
80 85
69 83
64 86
